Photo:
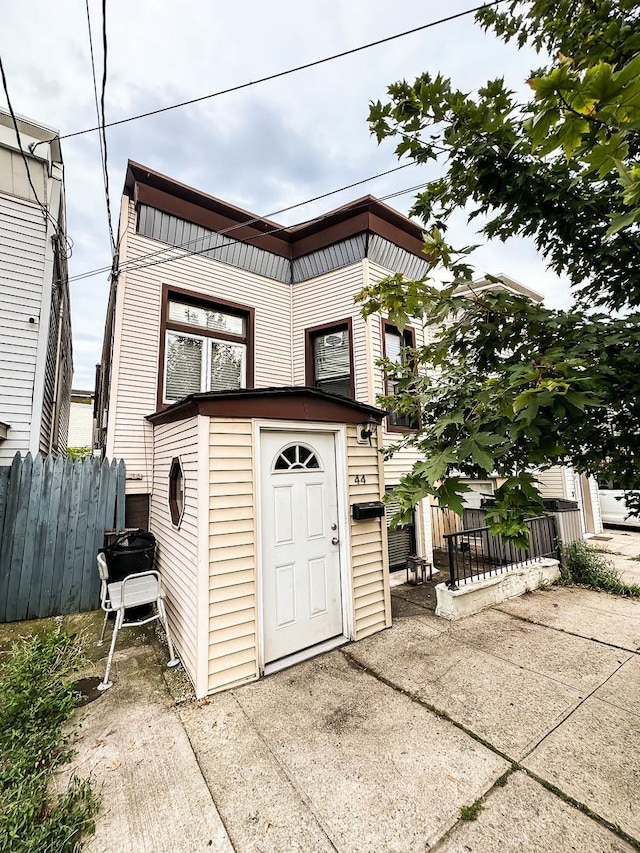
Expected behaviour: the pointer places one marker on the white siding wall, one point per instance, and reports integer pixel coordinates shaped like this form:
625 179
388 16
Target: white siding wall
80 425
177 548
138 329
22 264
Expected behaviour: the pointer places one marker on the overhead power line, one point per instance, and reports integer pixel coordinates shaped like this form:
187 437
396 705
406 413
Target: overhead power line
103 118
288 71
103 157
244 223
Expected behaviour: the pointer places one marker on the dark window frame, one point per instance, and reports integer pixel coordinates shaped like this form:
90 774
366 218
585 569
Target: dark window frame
177 511
409 340
203 300
313 332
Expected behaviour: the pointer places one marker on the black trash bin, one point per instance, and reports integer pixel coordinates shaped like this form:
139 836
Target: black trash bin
131 551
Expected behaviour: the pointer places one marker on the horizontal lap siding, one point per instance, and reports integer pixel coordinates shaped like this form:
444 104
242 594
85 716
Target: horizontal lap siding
177 549
368 558
328 299
233 654
136 375
553 482
22 262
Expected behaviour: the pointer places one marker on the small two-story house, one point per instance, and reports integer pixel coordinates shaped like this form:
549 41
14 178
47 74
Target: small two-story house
35 325
239 383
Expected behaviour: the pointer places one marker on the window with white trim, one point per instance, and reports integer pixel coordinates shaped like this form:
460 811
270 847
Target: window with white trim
205 349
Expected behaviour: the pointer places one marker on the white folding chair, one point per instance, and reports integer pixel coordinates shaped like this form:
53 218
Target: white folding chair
134 591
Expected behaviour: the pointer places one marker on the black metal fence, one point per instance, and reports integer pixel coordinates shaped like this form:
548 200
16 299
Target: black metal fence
475 553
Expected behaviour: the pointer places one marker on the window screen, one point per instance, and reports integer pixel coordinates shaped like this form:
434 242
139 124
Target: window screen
227 366
184 366
332 361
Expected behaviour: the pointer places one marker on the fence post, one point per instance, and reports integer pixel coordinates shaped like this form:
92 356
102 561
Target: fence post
452 557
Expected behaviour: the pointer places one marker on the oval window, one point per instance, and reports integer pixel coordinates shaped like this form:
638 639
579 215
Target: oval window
296 457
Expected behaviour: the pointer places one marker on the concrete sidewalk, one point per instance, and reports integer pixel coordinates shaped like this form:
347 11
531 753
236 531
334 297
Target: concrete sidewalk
531 711
622 549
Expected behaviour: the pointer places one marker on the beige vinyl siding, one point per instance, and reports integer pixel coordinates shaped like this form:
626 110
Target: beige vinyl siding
233 640
22 265
177 548
369 558
138 334
557 482
327 299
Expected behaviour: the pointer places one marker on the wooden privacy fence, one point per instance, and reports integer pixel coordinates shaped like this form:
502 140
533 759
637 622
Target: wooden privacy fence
53 516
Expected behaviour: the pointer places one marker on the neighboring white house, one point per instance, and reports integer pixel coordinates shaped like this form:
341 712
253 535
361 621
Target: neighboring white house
35 327
81 419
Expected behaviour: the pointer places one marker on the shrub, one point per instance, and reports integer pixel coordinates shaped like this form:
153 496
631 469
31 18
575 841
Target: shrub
585 566
35 702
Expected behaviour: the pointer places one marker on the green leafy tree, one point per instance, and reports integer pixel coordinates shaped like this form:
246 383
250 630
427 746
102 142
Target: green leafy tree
509 386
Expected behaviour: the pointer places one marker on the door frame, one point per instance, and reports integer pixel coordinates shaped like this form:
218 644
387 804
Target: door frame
339 433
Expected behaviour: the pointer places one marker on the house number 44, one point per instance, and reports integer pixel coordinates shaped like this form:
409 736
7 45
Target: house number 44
360 479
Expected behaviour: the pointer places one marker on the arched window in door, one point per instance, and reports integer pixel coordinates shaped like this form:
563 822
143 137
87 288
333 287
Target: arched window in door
296 457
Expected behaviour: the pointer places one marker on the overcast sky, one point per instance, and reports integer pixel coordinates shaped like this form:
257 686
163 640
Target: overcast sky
264 148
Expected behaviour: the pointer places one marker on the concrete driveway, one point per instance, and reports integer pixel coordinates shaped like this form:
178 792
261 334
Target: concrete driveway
531 710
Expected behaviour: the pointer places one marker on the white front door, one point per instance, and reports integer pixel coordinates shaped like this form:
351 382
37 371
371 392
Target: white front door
301 582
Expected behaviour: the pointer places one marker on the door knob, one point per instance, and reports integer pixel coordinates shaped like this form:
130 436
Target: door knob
335 541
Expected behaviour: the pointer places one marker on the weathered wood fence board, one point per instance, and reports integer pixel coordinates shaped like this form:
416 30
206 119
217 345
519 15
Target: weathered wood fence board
53 515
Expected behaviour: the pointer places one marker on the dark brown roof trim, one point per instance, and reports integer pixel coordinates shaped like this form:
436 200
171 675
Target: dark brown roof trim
366 214
289 403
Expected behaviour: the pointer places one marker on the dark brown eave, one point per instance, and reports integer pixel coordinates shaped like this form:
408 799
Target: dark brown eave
296 403
145 186
364 215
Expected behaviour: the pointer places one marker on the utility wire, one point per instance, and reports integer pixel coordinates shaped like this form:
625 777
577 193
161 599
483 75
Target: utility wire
103 159
245 223
102 113
134 265
288 71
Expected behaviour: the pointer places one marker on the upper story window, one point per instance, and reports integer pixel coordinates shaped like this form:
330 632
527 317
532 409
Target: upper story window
395 344
207 345
329 358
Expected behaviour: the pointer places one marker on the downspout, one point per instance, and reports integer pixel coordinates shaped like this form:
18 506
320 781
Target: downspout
56 387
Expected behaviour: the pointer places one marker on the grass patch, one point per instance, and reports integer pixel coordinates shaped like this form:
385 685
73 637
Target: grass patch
35 702
586 566
471 812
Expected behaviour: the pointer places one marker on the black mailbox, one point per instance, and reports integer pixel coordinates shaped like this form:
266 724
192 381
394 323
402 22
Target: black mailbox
369 509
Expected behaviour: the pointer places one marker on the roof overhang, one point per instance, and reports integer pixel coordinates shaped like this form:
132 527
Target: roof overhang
364 215
504 282
296 403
